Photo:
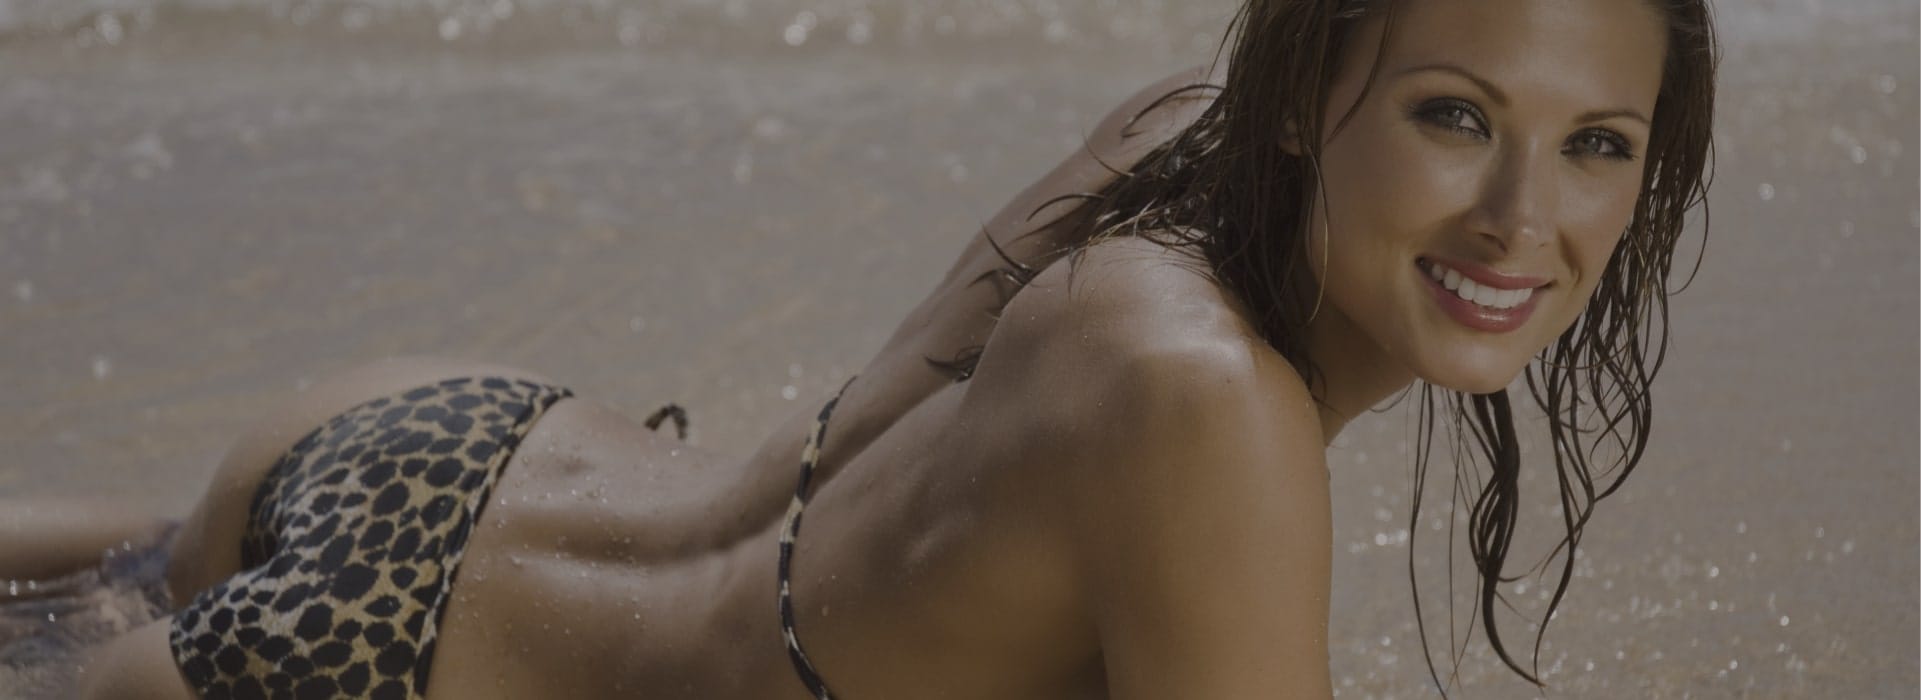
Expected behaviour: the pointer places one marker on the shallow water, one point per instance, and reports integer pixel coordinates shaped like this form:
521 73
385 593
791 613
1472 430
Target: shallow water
204 204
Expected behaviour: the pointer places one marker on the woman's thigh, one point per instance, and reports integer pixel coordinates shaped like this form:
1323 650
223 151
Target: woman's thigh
46 538
206 548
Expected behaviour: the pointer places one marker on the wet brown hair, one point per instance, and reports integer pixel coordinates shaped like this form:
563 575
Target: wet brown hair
1225 186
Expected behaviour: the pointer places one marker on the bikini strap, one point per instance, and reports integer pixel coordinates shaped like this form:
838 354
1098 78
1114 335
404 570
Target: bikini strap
809 458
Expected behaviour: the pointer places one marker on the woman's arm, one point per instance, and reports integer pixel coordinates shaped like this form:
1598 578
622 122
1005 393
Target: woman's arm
1143 121
1019 229
961 311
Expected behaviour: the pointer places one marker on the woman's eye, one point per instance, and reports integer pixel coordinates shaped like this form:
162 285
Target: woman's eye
1601 143
1454 115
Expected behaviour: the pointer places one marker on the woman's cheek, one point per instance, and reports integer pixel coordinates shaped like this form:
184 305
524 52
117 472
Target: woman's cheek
1599 226
1398 188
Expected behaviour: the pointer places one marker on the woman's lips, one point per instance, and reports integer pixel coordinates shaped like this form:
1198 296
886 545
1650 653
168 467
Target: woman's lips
1507 300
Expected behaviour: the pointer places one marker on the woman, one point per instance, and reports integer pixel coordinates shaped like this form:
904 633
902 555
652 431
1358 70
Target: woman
1111 486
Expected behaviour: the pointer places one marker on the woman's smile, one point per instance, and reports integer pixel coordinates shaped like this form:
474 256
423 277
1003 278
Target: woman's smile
1479 297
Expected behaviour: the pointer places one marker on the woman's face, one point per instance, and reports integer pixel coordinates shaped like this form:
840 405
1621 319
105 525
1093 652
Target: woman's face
1473 199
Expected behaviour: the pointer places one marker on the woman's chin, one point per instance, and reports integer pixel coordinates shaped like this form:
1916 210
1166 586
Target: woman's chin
1474 379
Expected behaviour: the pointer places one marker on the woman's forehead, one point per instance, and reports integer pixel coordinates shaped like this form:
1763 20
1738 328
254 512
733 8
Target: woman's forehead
1597 54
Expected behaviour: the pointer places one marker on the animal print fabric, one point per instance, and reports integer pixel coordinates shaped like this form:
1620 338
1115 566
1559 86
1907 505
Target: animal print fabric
789 532
353 541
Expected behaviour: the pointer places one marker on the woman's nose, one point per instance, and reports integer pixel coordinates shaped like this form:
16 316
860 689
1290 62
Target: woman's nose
1518 197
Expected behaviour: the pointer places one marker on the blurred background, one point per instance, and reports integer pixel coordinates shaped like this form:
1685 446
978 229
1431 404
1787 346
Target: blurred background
207 204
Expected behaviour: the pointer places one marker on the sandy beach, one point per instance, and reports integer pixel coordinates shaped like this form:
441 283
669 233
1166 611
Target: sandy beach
206 205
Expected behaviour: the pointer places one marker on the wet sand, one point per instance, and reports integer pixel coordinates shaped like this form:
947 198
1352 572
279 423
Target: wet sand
203 210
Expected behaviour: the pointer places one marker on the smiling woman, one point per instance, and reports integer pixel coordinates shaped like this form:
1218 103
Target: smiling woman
1492 179
1112 484
1510 163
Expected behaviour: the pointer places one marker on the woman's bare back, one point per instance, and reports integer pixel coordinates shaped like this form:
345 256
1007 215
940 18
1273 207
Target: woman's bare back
610 547
612 559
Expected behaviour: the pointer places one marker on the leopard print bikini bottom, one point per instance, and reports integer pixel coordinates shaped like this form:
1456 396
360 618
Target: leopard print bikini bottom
352 544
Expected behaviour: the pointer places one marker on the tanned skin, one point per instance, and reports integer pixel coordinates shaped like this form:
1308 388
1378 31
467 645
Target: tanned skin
1129 499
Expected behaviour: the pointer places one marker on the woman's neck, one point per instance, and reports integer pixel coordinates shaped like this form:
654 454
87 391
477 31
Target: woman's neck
1354 373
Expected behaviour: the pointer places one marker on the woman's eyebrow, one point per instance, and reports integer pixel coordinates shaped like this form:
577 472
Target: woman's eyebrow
1500 98
1606 114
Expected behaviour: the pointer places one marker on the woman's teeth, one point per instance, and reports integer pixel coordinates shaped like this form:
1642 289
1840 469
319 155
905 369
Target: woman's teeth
1481 294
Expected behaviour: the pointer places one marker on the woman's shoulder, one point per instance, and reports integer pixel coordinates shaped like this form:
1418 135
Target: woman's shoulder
1134 348
1127 301
1176 440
